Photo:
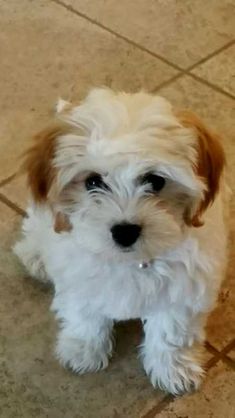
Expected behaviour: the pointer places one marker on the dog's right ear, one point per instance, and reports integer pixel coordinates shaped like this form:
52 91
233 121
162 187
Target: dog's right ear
42 174
39 161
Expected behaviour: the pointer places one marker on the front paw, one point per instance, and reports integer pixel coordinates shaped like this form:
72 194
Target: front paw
175 371
83 356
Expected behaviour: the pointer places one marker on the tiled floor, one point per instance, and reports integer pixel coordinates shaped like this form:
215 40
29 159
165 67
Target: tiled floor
51 48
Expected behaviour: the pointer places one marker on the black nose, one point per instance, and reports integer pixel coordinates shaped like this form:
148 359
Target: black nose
125 234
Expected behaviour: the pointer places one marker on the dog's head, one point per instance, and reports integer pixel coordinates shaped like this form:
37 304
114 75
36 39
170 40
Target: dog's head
125 174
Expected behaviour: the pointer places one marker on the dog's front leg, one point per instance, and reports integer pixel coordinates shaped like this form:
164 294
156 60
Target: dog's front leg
171 351
84 343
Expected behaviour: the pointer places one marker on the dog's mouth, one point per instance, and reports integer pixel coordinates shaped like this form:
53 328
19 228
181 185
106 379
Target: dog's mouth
127 250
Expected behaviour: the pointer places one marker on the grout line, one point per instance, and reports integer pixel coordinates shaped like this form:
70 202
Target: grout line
159 407
211 85
228 347
211 349
12 205
211 55
118 35
229 362
7 180
211 363
215 353
167 82
220 355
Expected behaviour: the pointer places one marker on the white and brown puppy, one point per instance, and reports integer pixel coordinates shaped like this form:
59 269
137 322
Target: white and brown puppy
127 221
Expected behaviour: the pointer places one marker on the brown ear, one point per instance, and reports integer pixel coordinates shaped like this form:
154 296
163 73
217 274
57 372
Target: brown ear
40 171
210 162
38 161
62 223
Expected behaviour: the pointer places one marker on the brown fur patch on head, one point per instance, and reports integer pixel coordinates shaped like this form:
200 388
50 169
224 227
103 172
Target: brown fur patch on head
210 162
38 161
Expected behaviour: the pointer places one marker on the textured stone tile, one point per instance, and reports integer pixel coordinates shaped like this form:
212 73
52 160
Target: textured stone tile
9 221
231 354
216 109
214 400
183 32
219 70
221 323
219 112
47 52
37 385
17 191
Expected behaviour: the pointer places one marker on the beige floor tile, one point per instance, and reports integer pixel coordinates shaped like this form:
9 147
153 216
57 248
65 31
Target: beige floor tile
47 52
183 32
215 108
17 191
9 221
36 384
221 323
231 354
219 112
219 70
214 400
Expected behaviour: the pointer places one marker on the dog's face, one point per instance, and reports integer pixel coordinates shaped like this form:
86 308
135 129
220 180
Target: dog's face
124 174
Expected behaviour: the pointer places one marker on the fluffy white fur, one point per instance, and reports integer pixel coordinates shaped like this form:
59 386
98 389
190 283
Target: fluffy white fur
123 136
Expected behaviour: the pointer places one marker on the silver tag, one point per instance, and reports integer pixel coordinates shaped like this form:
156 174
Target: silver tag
143 265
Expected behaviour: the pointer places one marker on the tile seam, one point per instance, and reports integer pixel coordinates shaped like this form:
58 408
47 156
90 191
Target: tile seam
211 85
11 205
211 55
159 407
7 180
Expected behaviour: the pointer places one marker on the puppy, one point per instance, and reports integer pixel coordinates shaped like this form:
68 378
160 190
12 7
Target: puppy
127 220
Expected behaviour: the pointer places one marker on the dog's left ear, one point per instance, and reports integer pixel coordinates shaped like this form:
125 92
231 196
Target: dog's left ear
209 165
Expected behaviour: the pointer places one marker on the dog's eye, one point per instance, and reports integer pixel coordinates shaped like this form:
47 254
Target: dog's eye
157 182
95 181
